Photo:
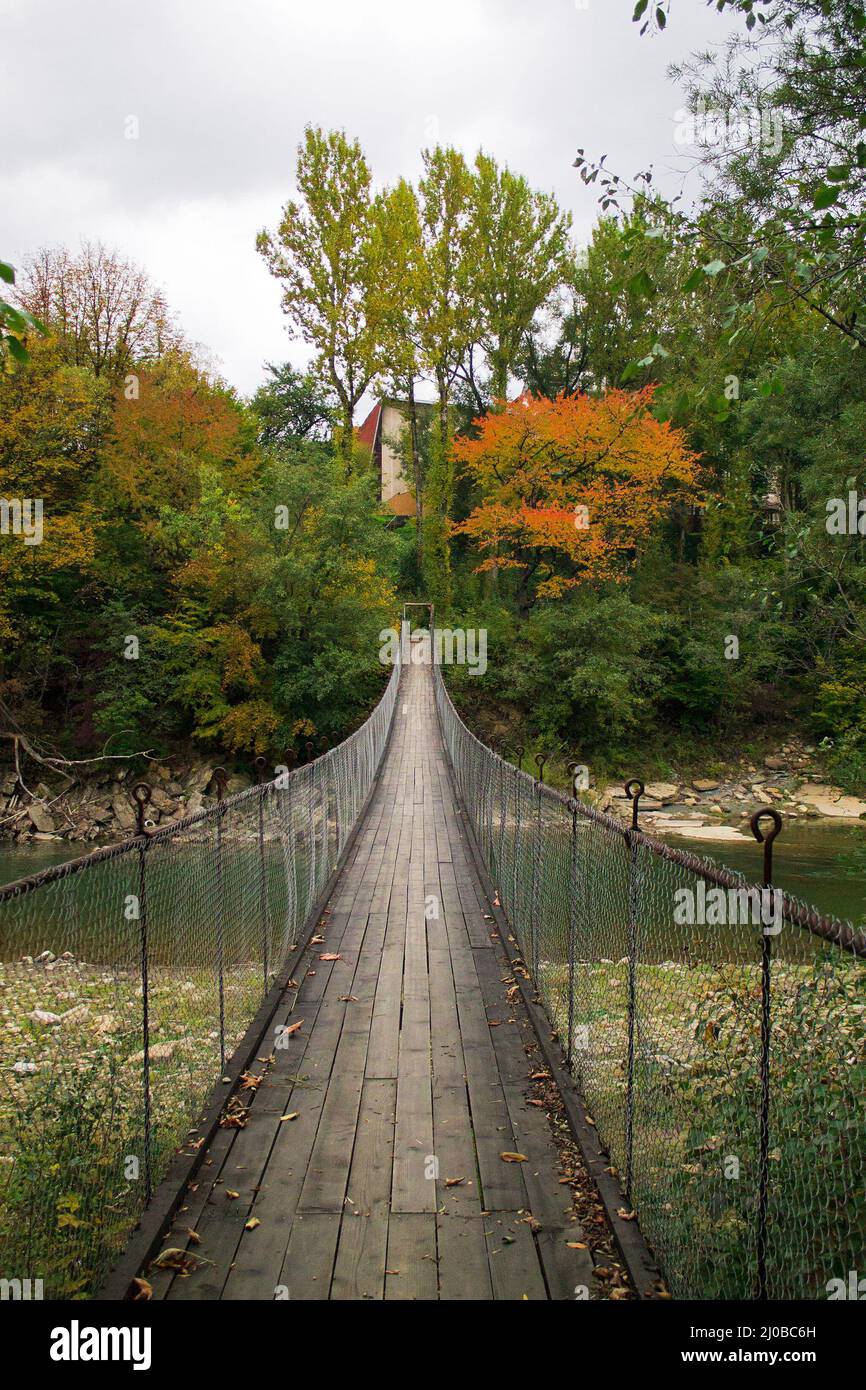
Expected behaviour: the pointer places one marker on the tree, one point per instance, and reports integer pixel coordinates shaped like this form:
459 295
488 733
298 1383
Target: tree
293 405
399 257
175 423
323 251
447 326
106 312
571 488
448 320
519 243
15 324
778 122
53 418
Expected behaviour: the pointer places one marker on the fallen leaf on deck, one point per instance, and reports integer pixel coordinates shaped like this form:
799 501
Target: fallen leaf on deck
294 1115
252 1223
348 999
230 1193
626 1215
331 955
181 1260
454 1182
143 1290
514 1158
193 1236
576 1245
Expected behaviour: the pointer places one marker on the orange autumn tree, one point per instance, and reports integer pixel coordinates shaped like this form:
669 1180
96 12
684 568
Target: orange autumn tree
571 488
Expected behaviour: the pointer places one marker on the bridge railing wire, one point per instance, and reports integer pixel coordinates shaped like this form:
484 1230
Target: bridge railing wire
716 1031
127 980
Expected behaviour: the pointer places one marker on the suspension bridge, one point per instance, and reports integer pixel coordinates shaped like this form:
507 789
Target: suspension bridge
335 1038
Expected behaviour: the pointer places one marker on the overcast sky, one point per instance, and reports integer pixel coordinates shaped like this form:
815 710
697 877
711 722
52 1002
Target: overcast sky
222 89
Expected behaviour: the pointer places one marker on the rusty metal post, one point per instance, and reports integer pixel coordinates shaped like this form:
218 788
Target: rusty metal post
220 777
766 960
141 797
261 764
634 789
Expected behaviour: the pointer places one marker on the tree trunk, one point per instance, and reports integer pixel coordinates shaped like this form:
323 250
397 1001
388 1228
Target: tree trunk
416 473
347 437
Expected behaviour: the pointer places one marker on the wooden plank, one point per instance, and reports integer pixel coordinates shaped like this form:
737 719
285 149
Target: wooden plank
411 1272
464 1270
515 1268
307 1269
361 1254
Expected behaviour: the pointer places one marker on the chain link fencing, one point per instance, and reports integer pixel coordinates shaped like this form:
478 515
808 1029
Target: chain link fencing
716 1030
127 980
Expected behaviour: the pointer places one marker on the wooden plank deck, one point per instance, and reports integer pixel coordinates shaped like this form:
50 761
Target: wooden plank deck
399 1086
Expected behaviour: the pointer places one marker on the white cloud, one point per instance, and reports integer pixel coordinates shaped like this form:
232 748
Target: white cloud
223 89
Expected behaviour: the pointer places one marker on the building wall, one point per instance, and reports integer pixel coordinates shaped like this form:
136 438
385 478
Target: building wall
392 426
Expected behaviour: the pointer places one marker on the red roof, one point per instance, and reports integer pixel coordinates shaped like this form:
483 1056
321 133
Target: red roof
366 433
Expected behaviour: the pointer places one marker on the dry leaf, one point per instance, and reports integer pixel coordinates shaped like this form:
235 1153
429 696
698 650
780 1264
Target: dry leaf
181 1260
193 1235
576 1245
331 955
230 1193
454 1182
143 1291
514 1158
252 1223
626 1215
293 1116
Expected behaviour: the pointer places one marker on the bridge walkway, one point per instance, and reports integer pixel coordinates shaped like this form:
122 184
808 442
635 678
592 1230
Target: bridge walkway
370 1166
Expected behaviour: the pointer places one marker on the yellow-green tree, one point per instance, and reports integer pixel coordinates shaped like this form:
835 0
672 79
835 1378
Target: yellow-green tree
323 251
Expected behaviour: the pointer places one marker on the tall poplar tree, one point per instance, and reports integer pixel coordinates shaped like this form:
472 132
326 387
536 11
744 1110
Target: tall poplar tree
324 252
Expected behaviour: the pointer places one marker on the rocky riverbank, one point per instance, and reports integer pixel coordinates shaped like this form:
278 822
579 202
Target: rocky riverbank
99 809
718 809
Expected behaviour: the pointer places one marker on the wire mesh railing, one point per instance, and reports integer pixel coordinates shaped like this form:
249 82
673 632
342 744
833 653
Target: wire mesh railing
716 1030
128 978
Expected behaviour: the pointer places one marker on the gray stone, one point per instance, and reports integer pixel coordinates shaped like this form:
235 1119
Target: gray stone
123 811
40 817
662 791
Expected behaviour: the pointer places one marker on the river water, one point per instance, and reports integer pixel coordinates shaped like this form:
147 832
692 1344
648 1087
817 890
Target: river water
820 861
